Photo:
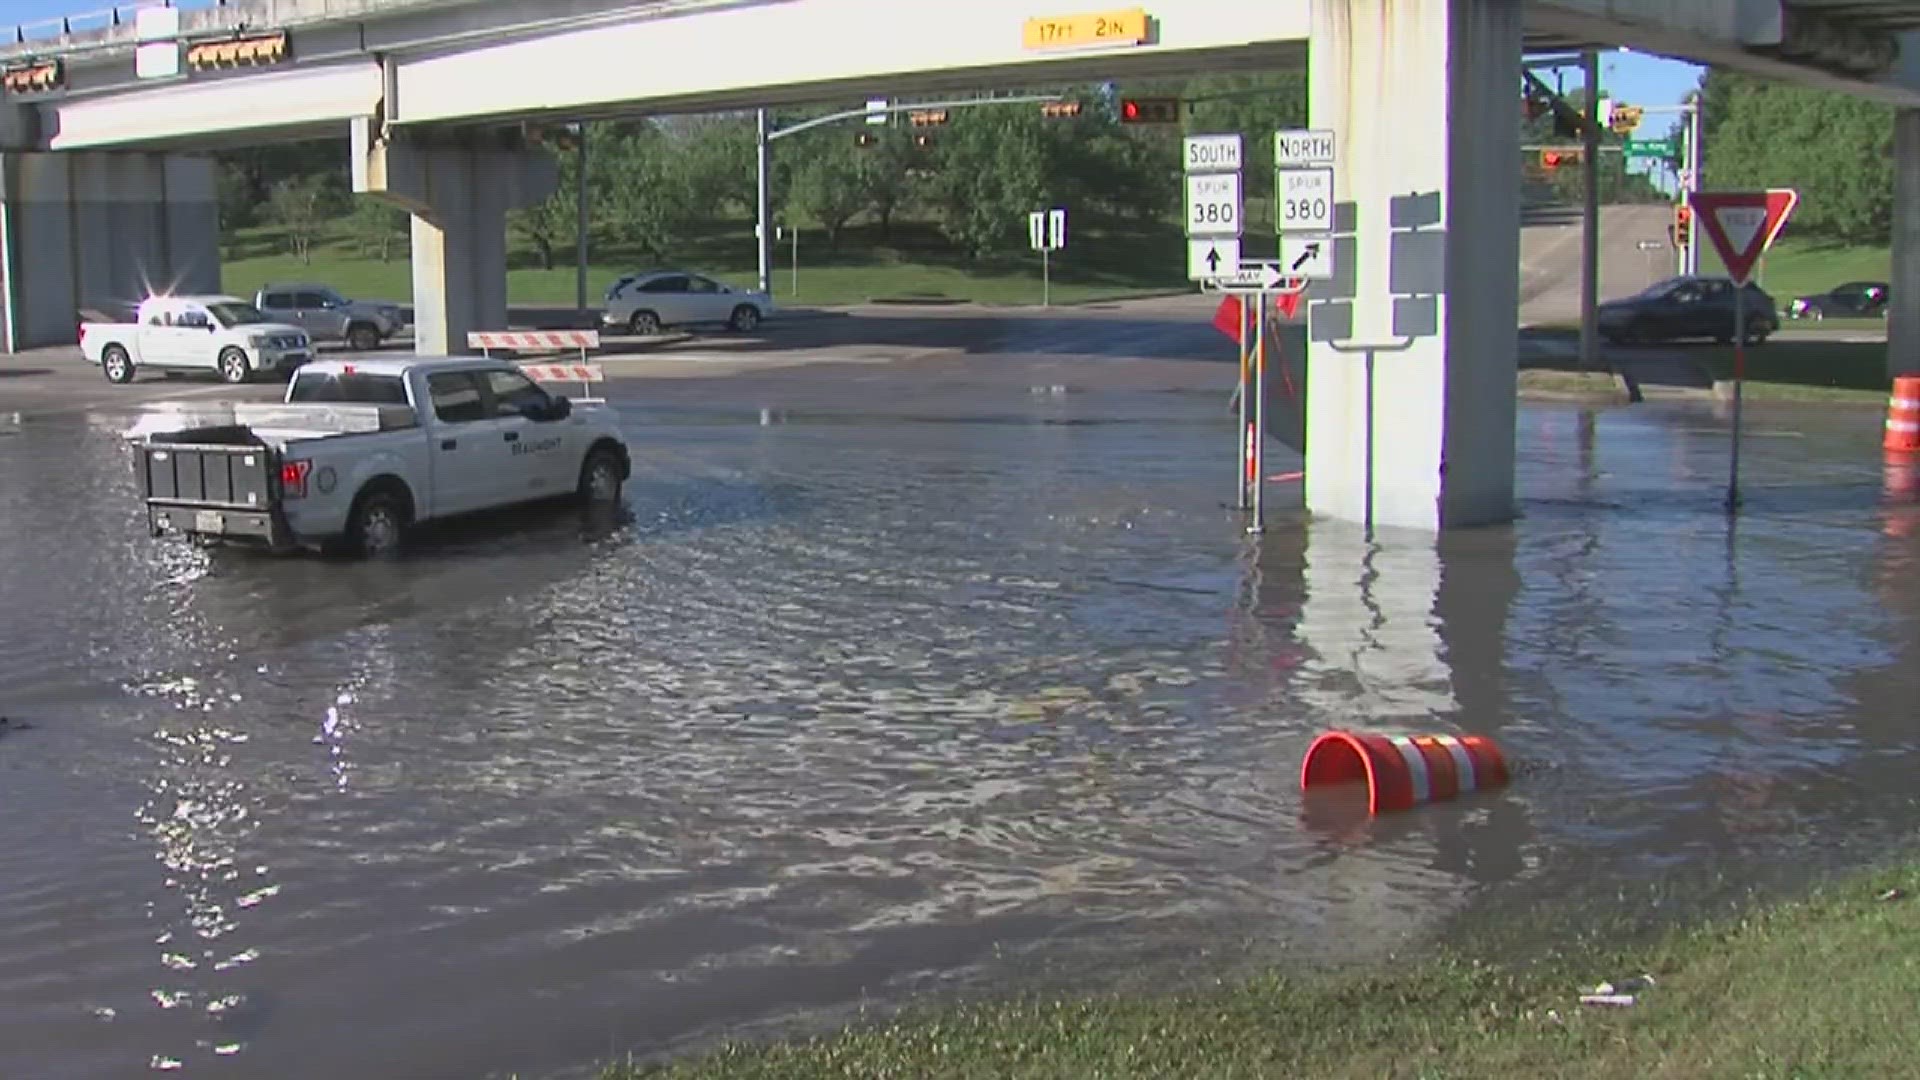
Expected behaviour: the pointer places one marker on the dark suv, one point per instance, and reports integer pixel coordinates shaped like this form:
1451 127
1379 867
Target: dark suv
1687 307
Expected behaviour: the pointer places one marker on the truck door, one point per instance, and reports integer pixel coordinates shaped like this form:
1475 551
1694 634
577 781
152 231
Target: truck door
540 454
311 313
186 340
463 443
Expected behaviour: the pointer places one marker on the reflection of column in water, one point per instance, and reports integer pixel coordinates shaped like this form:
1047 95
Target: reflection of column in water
1373 653
1484 840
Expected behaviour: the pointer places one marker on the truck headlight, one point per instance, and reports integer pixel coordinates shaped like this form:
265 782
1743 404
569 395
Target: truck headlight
258 341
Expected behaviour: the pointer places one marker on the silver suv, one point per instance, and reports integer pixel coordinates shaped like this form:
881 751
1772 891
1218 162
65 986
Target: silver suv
327 316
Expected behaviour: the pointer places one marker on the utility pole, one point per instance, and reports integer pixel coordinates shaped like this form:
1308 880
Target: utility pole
580 219
1695 158
763 240
1590 219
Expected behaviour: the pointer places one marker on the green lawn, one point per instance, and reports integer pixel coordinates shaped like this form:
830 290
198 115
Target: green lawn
1819 987
1804 267
1806 370
1103 260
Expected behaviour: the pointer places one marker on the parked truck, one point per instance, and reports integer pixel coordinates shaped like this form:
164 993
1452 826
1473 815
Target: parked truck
327 316
360 451
222 334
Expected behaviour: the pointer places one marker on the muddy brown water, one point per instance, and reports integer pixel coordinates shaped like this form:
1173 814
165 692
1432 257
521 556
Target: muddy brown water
879 693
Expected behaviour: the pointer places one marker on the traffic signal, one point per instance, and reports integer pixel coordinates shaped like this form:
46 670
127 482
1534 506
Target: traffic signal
1553 159
1682 224
251 51
866 138
927 117
35 78
1625 119
1060 108
1150 110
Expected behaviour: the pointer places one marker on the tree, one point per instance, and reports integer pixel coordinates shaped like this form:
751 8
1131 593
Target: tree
644 196
302 207
886 176
990 173
239 203
1836 149
830 184
378 227
555 218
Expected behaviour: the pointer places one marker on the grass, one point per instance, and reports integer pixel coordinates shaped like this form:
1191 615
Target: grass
1784 370
1103 261
1821 986
1797 267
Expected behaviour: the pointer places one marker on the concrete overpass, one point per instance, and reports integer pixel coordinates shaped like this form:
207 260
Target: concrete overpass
1420 93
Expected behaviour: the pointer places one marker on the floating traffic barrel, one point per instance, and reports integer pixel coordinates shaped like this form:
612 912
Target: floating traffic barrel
1403 771
1903 415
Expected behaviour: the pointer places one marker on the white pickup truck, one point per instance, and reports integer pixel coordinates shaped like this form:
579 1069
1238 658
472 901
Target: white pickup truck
361 450
223 334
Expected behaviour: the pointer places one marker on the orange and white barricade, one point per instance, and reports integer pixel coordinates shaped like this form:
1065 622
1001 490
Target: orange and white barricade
582 372
1903 415
1403 771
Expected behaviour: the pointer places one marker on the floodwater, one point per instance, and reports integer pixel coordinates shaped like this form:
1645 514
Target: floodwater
885 698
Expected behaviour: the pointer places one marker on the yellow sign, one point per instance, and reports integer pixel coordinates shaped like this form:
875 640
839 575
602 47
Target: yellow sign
1127 27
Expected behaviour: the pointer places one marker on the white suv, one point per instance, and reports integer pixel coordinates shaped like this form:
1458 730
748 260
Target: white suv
644 303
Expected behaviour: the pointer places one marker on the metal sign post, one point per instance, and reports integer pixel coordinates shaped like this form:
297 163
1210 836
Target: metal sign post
1257 453
1243 476
1047 233
1742 226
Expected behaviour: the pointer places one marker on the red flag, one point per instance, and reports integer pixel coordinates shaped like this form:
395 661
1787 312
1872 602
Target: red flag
1289 303
1230 318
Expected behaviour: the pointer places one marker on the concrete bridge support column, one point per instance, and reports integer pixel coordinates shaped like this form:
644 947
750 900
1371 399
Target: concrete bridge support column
1423 98
1903 305
459 196
80 231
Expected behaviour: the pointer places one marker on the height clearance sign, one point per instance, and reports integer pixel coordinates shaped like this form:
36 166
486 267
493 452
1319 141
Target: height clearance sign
1742 224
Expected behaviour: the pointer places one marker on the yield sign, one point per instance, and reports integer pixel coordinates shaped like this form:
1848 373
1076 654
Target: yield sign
1742 224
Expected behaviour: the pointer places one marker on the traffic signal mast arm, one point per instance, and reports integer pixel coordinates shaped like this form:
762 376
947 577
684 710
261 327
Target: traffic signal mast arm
915 107
1568 122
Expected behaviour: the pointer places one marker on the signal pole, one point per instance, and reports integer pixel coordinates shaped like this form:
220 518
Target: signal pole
1590 219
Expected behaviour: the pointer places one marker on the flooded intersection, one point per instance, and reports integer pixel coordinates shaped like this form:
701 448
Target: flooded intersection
896 679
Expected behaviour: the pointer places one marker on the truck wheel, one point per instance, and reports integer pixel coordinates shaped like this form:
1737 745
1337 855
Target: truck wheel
601 475
116 364
363 337
377 525
234 367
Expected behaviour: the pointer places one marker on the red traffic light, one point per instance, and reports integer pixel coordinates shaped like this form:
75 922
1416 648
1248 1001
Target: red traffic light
1150 110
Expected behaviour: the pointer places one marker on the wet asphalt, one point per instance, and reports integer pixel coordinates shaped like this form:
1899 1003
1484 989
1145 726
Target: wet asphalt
928 662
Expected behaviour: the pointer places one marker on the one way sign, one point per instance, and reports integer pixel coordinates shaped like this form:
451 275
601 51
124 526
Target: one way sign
1211 257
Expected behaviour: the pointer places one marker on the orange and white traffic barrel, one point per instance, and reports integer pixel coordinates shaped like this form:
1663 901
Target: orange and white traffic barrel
1403 771
1903 415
